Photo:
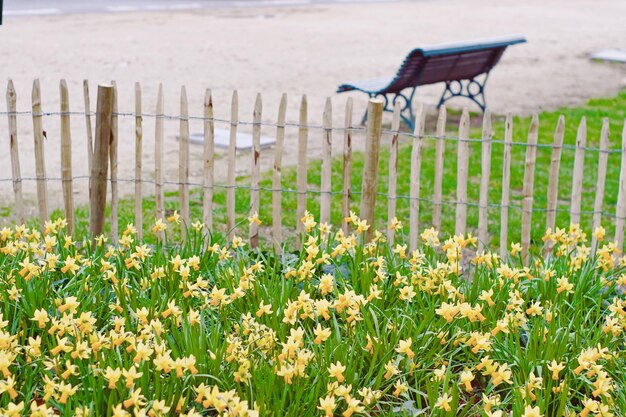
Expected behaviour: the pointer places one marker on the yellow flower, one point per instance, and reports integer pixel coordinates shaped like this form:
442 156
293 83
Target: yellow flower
336 371
443 402
70 303
515 249
599 233
404 346
264 309
353 406
327 405
159 226
254 218
112 375
41 317
237 242
395 224
70 265
13 410
564 285
174 218
530 411
321 335
556 367
466 379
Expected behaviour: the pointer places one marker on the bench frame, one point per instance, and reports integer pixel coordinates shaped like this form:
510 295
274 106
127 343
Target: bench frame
470 88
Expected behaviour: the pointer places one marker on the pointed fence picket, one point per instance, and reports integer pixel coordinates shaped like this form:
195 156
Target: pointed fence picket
103 161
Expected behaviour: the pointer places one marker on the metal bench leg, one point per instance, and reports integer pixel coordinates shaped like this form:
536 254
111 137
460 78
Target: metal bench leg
472 89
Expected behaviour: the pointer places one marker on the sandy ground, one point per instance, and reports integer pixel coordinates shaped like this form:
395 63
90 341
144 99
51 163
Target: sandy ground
294 50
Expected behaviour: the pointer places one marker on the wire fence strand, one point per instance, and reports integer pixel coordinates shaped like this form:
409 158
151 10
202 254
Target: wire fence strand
314 191
339 129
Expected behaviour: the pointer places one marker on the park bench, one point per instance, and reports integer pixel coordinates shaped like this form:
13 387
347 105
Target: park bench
463 67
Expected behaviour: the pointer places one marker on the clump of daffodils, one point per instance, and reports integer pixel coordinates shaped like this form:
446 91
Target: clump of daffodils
346 327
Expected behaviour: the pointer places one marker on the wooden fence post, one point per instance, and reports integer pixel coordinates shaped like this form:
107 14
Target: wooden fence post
232 155
346 193
209 158
602 164
462 174
483 202
506 182
577 177
553 180
40 162
113 158
158 158
370 167
183 166
255 169
393 172
325 186
620 209
301 175
88 124
15 157
66 159
416 167
277 211
440 147
138 163
528 188
100 163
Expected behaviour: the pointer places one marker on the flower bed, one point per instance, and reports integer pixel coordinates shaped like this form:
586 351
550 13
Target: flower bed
343 327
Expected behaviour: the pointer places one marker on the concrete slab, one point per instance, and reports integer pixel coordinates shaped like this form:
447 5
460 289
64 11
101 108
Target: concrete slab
613 55
222 139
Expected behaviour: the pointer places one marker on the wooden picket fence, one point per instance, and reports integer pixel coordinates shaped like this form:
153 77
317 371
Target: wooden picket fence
103 149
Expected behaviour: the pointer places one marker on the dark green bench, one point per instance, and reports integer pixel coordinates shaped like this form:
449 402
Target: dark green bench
463 67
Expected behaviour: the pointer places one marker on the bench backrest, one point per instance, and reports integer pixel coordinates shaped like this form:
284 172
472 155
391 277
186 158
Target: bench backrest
449 62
